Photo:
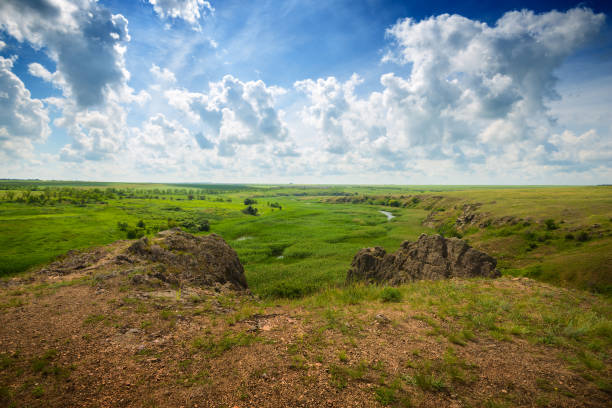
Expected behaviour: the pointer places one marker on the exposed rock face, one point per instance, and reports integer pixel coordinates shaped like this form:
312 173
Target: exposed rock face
204 260
431 257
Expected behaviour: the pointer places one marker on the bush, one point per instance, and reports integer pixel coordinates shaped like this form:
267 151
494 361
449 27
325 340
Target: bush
122 226
385 395
289 291
249 201
195 224
135 233
550 224
140 224
250 210
447 231
391 295
583 236
569 236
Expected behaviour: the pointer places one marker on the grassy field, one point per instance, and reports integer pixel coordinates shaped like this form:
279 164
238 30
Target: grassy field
304 237
504 342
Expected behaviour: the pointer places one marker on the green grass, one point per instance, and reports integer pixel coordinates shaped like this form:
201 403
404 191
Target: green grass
215 347
307 247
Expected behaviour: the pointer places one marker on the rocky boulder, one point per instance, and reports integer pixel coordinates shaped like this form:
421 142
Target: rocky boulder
204 260
430 257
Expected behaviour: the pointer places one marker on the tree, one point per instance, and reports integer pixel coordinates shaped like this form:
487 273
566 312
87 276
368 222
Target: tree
249 201
250 210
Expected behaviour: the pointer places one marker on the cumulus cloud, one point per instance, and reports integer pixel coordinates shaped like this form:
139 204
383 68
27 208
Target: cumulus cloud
97 134
88 44
233 113
189 10
472 90
23 120
330 109
37 70
84 39
163 75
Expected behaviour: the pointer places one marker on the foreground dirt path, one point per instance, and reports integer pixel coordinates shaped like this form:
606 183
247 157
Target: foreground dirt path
99 338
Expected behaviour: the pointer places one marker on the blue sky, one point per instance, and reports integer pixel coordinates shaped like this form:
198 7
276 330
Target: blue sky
511 92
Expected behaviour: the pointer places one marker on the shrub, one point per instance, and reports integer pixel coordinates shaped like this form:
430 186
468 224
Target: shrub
385 395
391 295
249 201
135 233
550 224
122 226
250 210
583 236
569 236
290 291
140 224
448 230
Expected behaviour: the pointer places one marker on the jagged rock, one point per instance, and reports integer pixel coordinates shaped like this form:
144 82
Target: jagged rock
204 260
382 319
431 257
73 261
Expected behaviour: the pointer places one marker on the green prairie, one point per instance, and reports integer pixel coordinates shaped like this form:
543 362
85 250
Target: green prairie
303 238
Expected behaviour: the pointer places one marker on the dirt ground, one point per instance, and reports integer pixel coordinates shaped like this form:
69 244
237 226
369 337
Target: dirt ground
95 338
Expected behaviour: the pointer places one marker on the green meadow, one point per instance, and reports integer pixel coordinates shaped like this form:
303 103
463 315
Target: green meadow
303 238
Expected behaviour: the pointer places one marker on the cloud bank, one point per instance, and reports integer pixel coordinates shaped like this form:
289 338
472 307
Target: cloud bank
476 95
458 100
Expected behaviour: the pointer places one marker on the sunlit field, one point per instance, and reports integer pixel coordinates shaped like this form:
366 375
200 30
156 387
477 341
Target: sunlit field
303 238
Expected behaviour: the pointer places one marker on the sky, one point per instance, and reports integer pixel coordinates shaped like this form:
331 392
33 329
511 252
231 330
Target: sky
296 91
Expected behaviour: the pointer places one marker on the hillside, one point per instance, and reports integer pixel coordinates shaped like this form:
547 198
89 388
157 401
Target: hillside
90 331
93 333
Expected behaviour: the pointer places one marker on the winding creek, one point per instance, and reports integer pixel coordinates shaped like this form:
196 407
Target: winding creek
388 214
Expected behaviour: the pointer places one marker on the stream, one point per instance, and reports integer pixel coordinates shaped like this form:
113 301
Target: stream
388 214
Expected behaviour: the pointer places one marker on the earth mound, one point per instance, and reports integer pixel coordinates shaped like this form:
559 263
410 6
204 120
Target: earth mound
430 257
179 256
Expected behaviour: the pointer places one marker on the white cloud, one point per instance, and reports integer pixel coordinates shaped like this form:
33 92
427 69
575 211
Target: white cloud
233 113
82 37
97 134
473 90
37 70
189 10
3 44
23 120
87 43
163 75
330 110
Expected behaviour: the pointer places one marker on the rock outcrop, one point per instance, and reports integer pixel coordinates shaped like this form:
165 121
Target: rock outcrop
430 257
203 260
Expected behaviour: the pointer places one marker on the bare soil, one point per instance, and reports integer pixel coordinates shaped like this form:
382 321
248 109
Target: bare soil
92 337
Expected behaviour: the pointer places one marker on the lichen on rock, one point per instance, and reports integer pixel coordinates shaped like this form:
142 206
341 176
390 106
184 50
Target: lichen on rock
430 257
203 260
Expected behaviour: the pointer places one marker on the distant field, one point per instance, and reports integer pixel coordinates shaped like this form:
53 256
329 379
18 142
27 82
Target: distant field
309 243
